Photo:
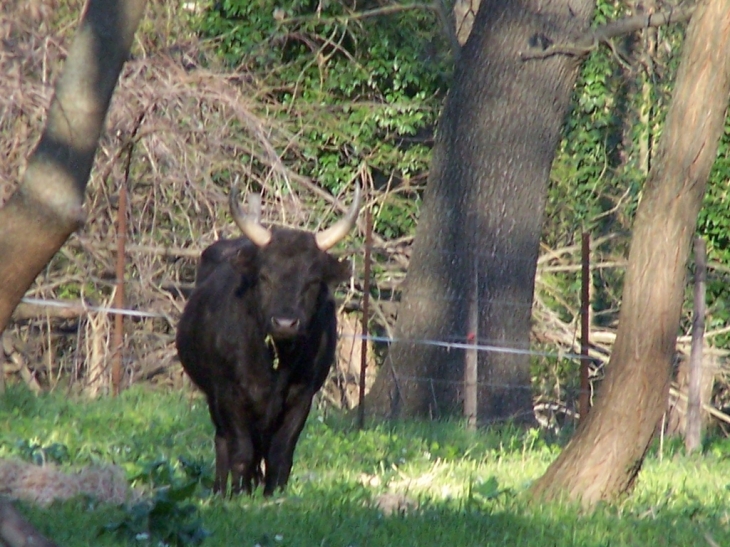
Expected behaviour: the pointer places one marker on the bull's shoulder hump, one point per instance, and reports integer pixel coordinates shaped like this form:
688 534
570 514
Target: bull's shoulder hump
223 249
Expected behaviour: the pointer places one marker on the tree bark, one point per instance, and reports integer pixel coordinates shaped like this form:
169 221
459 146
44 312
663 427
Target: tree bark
603 459
482 212
48 205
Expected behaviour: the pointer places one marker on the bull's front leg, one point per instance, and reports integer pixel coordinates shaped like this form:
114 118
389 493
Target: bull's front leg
243 461
283 442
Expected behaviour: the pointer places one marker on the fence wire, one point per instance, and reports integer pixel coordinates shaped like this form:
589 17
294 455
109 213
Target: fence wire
476 345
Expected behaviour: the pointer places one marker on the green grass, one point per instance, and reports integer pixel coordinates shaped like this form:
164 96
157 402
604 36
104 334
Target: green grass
470 487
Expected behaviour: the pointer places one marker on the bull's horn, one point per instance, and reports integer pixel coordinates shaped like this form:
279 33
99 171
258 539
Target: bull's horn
249 224
328 238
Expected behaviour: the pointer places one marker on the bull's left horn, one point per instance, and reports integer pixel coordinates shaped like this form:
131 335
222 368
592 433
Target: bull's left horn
328 238
249 224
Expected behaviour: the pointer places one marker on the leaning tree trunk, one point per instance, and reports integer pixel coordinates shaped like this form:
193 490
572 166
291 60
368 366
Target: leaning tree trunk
604 458
48 205
15 531
478 235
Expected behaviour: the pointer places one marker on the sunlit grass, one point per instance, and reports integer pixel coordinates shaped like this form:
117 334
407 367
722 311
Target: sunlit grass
458 487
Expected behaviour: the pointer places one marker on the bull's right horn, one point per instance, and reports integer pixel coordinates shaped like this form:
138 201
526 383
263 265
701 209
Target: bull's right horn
249 224
328 238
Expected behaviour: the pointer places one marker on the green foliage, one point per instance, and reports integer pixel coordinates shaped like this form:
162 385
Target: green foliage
714 225
619 106
483 492
38 454
163 518
600 167
583 183
355 90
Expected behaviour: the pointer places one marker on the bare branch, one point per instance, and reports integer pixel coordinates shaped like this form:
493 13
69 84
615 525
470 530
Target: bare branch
355 16
604 33
638 22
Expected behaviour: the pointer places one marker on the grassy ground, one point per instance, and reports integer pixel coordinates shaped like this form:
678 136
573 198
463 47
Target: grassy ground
461 488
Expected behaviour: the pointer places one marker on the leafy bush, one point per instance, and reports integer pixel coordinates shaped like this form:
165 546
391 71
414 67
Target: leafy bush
351 87
620 102
163 519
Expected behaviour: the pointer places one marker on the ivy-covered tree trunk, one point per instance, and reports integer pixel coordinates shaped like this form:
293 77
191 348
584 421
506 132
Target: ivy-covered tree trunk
48 205
479 231
604 458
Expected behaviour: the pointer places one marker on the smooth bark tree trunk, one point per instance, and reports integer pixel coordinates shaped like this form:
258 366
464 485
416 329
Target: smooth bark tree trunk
603 459
482 215
48 205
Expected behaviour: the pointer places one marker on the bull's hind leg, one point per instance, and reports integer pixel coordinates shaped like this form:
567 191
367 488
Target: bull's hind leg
222 464
222 445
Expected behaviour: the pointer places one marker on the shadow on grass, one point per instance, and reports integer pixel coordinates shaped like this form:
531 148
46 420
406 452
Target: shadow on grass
327 519
336 518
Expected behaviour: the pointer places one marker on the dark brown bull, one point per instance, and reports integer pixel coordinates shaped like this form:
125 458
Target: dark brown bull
258 338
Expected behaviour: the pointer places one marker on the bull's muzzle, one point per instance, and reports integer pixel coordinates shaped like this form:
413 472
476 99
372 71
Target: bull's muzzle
285 327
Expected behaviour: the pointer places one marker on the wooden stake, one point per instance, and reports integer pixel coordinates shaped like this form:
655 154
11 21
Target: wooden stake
471 357
365 317
693 433
118 336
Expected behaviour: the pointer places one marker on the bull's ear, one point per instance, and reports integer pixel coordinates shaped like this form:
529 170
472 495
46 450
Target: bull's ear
243 259
221 252
337 270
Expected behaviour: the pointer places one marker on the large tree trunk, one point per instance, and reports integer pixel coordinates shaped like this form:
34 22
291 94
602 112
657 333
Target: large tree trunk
479 230
48 205
604 458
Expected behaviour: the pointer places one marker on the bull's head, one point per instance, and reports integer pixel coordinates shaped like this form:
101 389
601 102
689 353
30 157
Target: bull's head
291 268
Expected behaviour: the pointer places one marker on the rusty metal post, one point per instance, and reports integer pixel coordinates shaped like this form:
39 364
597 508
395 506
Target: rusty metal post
585 324
365 316
118 336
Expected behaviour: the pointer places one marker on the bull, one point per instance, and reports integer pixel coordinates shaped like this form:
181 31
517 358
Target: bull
257 336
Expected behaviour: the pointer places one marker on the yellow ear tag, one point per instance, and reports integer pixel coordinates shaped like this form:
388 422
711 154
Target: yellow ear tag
270 342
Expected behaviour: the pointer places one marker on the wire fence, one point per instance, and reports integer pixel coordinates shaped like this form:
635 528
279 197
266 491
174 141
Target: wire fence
161 358
473 345
549 410
465 342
